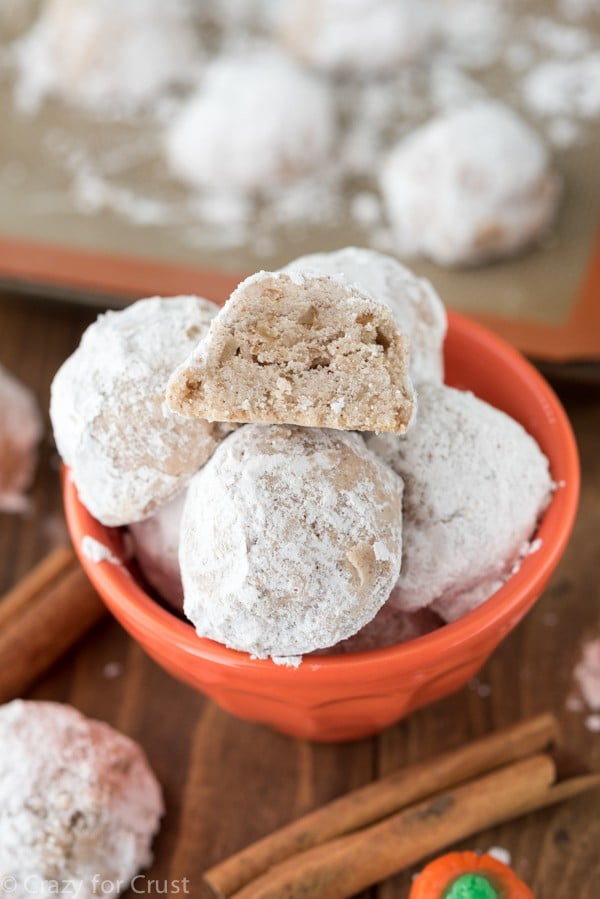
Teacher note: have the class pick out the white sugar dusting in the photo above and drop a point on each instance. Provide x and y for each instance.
(500, 854)
(287, 661)
(97, 552)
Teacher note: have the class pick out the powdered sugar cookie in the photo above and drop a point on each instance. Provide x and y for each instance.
(358, 37)
(472, 185)
(106, 55)
(290, 540)
(476, 485)
(156, 548)
(20, 431)
(299, 349)
(257, 122)
(78, 802)
(418, 310)
(390, 627)
(129, 454)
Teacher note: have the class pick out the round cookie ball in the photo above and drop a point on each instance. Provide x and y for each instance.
(472, 185)
(390, 627)
(20, 431)
(418, 310)
(78, 802)
(291, 539)
(156, 548)
(476, 485)
(128, 454)
(257, 122)
(107, 55)
(358, 37)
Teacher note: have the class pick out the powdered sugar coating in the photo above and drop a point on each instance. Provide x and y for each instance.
(476, 485)
(469, 186)
(106, 55)
(390, 627)
(156, 548)
(258, 121)
(97, 552)
(418, 310)
(77, 800)
(358, 37)
(128, 453)
(291, 540)
(20, 431)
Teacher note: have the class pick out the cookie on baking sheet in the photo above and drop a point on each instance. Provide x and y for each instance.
(106, 55)
(257, 121)
(419, 312)
(475, 486)
(21, 429)
(129, 454)
(291, 539)
(299, 349)
(78, 802)
(472, 185)
(364, 38)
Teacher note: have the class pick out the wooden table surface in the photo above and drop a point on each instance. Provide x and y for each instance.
(228, 782)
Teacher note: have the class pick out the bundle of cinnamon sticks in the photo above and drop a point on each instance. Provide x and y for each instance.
(382, 828)
(42, 617)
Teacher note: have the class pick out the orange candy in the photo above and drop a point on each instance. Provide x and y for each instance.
(467, 875)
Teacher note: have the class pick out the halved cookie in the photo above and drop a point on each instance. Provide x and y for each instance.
(292, 348)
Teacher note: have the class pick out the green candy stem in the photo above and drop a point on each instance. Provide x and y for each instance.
(471, 886)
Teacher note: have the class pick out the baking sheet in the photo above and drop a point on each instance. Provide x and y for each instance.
(137, 231)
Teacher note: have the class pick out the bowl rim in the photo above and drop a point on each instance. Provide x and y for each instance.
(126, 595)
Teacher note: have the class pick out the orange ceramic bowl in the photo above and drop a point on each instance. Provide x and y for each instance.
(350, 696)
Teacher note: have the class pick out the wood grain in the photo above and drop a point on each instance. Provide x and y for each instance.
(227, 782)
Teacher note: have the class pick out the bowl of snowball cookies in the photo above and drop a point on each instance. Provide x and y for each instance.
(323, 504)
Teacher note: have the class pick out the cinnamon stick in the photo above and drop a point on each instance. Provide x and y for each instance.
(349, 864)
(42, 617)
(377, 800)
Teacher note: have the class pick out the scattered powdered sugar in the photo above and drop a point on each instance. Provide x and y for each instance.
(565, 87)
(98, 552)
(112, 670)
(477, 686)
(500, 853)
(287, 661)
(592, 722)
(20, 432)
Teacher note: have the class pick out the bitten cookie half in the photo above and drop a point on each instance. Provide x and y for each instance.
(291, 348)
